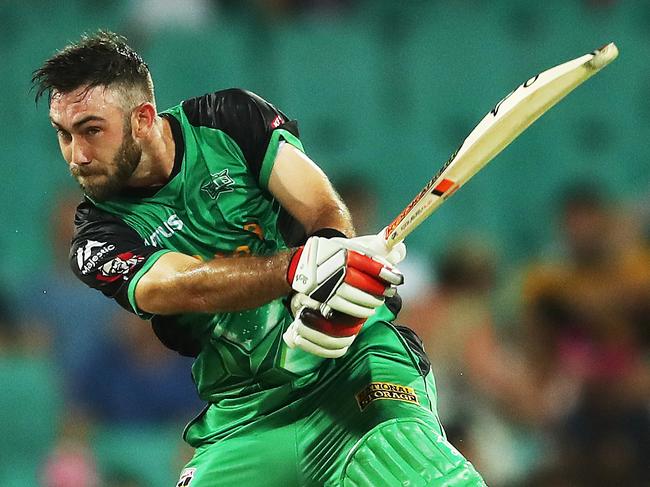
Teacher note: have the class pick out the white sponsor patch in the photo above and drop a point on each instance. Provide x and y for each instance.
(90, 254)
(119, 266)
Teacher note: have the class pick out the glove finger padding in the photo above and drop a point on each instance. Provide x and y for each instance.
(299, 301)
(374, 267)
(311, 332)
(353, 294)
(322, 267)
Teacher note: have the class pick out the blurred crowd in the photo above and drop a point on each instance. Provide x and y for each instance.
(544, 370)
(89, 386)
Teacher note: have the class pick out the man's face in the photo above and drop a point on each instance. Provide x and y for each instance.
(94, 134)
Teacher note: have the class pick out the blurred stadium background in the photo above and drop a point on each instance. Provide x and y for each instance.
(531, 286)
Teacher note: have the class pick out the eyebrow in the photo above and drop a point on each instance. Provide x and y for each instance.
(79, 123)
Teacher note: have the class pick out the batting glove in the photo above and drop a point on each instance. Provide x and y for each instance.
(311, 332)
(331, 337)
(340, 278)
(375, 245)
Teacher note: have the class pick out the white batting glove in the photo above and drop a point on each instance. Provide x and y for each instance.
(338, 274)
(312, 333)
(375, 245)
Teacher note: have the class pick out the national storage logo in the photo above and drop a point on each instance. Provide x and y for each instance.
(385, 390)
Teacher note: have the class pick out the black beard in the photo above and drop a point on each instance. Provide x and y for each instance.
(125, 162)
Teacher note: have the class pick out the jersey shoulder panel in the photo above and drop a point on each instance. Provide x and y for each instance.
(106, 253)
(245, 117)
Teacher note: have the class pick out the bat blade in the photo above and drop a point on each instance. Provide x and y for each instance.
(500, 126)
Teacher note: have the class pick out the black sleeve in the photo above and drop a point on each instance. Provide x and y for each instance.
(248, 119)
(416, 345)
(106, 253)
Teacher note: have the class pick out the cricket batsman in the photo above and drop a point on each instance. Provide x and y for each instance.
(209, 220)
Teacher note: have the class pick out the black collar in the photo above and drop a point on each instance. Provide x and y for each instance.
(179, 143)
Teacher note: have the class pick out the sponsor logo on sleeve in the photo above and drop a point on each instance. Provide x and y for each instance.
(90, 254)
(186, 477)
(277, 121)
(119, 267)
(385, 390)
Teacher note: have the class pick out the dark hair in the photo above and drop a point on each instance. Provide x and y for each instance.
(101, 59)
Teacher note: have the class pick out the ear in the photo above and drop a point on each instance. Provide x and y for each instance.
(142, 119)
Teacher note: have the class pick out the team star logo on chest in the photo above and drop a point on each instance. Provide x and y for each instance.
(218, 183)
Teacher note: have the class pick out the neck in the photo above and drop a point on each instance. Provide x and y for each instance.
(157, 160)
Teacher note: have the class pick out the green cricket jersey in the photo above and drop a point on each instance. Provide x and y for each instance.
(215, 204)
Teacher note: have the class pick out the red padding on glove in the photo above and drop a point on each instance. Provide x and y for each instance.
(364, 263)
(339, 324)
(365, 282)
(293, 264)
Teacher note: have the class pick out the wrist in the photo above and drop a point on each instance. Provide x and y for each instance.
(328, 233)
(297, 252)
(294, 258)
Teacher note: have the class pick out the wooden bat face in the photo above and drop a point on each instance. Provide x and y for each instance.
(500, 126)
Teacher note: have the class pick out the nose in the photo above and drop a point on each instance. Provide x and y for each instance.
(80, 153)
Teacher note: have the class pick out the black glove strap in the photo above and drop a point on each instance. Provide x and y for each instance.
(328, 233)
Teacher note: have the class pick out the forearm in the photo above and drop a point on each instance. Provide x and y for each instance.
(305, 192)
(181, 284)
(334, 216)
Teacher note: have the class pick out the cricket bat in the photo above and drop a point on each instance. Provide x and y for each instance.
(498, 128)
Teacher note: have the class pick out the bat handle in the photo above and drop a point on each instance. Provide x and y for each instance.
(385, 247)
(387, 242)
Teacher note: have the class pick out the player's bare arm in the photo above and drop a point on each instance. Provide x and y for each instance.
(178, 283)
(304, 191)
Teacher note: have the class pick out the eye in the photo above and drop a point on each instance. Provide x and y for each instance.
(62, 134)
(93, 131)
